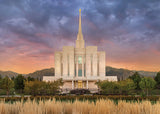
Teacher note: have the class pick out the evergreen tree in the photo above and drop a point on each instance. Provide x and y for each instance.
(0, 77)
(0, 81)
(136, 79)
(157, 79)
(19, 83)
(30, 78)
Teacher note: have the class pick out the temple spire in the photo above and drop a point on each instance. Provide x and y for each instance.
(80, 26)
(80, 41)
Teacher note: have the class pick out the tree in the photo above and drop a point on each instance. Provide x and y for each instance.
(0, 81)
(7, 84)
(33, 87)
(42, 88)
(136, 79)
(19, 83)
(157, 79)
(121, 87)
(12, 78)
(30, 78)
(147, 83)
(108, 87)
(126, 85)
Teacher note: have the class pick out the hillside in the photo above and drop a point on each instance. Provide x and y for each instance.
(124, 73)
(40, 73)
(8, 73)
(121, 73)
(147, 73)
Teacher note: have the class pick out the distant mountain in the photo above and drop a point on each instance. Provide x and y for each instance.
(40, 73)
(124, 73)
(8, 73)
(147, 73)
(121, 73)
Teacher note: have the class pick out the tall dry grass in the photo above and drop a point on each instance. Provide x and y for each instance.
(79, 107)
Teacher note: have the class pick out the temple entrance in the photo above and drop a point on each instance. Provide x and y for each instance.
(80, 84)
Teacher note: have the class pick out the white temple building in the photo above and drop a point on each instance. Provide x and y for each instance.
(80, 66)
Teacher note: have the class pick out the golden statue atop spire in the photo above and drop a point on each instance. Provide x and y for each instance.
(80, 41)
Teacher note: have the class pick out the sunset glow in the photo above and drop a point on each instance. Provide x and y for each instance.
(31, 31)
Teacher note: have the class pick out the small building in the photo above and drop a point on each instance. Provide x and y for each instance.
(80, 66)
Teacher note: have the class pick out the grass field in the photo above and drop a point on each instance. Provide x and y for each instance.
(79, 107)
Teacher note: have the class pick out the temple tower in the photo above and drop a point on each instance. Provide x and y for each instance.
(80, 41)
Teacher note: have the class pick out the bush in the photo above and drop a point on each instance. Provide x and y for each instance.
(42, 88)
(84, 97)
(80, 91)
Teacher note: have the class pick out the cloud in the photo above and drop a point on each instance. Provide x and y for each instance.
(121, 28)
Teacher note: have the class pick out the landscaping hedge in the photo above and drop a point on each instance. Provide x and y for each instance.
(81, 98)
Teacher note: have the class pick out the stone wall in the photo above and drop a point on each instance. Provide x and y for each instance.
(58, 63)
(92, 85)
(68, 61)
(101, 64)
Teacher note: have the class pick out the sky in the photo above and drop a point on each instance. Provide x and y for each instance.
(32, 30)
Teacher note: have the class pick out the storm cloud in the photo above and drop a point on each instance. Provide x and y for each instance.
(31, 30)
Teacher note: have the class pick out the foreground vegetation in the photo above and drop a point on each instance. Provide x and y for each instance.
(79, 107)
(134, 85)
(94, 98)
(29, 86)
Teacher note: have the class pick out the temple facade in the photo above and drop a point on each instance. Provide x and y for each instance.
(80, 66)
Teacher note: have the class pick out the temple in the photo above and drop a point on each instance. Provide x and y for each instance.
(80, 66)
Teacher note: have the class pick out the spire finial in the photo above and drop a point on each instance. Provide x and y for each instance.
(80, 26)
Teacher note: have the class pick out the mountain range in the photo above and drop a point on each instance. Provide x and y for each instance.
(110, 71)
